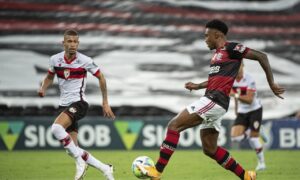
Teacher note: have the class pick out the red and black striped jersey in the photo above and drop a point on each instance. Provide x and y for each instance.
(71, 76)
(224, 67)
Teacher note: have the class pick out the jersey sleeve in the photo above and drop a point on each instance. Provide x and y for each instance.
(237, 51)
(51, 69)
(92, 67)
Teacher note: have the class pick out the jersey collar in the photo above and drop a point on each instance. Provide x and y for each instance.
(69, 61)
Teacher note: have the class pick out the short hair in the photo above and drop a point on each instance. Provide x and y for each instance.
(218, 25)
(70, 32)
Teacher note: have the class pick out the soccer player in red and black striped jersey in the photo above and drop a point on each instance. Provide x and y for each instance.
(71, 67)
(209, 109)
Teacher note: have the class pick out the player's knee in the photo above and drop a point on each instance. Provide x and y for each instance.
(55, 128)
(58, 131)
(173, 126)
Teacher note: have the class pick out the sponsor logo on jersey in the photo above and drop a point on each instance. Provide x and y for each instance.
(240, 48)
(217, 57)
(67, 73)
(214, 69)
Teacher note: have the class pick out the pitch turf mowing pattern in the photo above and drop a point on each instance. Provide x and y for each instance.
(184, 165)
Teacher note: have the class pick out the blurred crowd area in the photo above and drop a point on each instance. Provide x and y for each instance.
(147, 49)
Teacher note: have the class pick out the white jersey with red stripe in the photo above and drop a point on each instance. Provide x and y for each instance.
(247, 83)
(72, 76)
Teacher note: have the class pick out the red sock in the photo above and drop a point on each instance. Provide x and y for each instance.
(224, 159)
(167, 149)
(258, 150)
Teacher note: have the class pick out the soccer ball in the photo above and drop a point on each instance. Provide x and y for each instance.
(141, 161)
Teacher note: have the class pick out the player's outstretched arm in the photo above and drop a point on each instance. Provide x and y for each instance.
(48, 80)
(192, 86)
(262, 58)
(107, 112)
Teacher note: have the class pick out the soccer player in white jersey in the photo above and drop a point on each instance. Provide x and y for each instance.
(71, 67)
(249, 114)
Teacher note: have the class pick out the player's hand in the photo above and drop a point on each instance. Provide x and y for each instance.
(41, 92)
(107, 112)
(277, 90)
(191, 86)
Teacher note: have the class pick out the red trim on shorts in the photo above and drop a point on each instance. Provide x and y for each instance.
(206, 107)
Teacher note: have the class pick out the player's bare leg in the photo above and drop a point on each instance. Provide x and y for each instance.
(238, 133)
(255, 143)
(209, 138)
(179, 123)
(59, 131)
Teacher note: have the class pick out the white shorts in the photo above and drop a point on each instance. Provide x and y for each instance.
(209, 111)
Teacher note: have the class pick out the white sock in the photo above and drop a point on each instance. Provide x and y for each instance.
(257, 146)
(92, 161)
(60, 134)
(247, 133)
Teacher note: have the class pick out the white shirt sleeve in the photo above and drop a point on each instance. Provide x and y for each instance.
(91, 67)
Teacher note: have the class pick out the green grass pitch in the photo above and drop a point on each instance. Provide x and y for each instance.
(184, 164)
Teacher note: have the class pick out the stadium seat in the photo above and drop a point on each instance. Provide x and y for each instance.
(95, 110)
(14, 111)
(48, 110)
(3, 109)
(124, 111)
(30, 111)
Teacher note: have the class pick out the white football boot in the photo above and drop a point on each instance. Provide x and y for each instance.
(108, 174)
(81, 168)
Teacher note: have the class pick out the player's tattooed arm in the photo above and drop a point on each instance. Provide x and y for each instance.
(263, 60)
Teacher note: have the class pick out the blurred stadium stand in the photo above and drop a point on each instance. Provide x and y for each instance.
(94, 110)
(30, 31)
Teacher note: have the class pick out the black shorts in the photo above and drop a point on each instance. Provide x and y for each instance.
(76, 111)
(250, 120)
